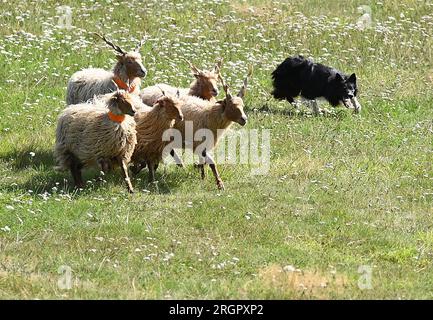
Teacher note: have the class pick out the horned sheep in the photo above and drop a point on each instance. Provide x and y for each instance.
(214, 116)
(126, 74)
(205, 86)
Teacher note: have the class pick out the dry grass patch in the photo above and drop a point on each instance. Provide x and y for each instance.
(302, 283)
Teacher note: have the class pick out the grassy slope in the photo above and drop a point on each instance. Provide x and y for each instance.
(343, 190)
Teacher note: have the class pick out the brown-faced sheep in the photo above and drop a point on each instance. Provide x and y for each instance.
(205, 86)
(97, 134)
(213, 118)
(126, 74)
(152, 122)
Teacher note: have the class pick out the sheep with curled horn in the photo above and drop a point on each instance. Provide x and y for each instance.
(216, 117)
(205, 85)
(127, 74)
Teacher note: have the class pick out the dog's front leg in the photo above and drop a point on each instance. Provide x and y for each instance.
(356, 104)
(316, 109)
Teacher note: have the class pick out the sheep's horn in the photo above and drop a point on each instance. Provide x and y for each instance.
(111, 44)
(115, 84)
(141, 43)
(163, 92)
(194, 69)
(243, 90)
(225, 86)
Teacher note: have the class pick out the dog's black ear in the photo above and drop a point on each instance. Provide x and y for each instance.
(352, 78)
(339, 77)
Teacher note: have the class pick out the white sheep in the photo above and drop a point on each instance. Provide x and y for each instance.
(214, 117)
(205, 86)
(152, 122)
(97, 133)
(126, 74)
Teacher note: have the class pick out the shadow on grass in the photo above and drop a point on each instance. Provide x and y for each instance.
(39, 165)
(303, 112)
(28, 157)
(167, 181)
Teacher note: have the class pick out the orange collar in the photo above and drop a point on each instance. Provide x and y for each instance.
(115, 117)
(123, 85)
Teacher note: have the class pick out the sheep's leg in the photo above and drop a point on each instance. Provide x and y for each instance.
(152, 169)
(125, 175)
(176, 158)
(212, 165)
(105, 165)
(76, 167)
(202, 172)
(201, 163)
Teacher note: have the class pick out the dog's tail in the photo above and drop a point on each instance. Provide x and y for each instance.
(287, 75)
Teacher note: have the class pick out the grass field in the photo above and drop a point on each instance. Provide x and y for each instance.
(345, 211)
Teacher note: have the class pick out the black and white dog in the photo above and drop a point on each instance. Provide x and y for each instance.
(300, 76)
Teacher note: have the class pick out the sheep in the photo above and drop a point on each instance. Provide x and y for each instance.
(126, 74)
(100, 132)
(152, 122)
(213, 116)
(204, 86)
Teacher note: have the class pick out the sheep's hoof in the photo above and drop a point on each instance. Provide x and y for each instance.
(131, 191)
(180, 165)
(220, 185)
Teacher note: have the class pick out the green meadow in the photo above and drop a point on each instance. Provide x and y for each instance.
(345, 210)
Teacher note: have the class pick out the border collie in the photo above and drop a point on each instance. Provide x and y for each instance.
(300, 76)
